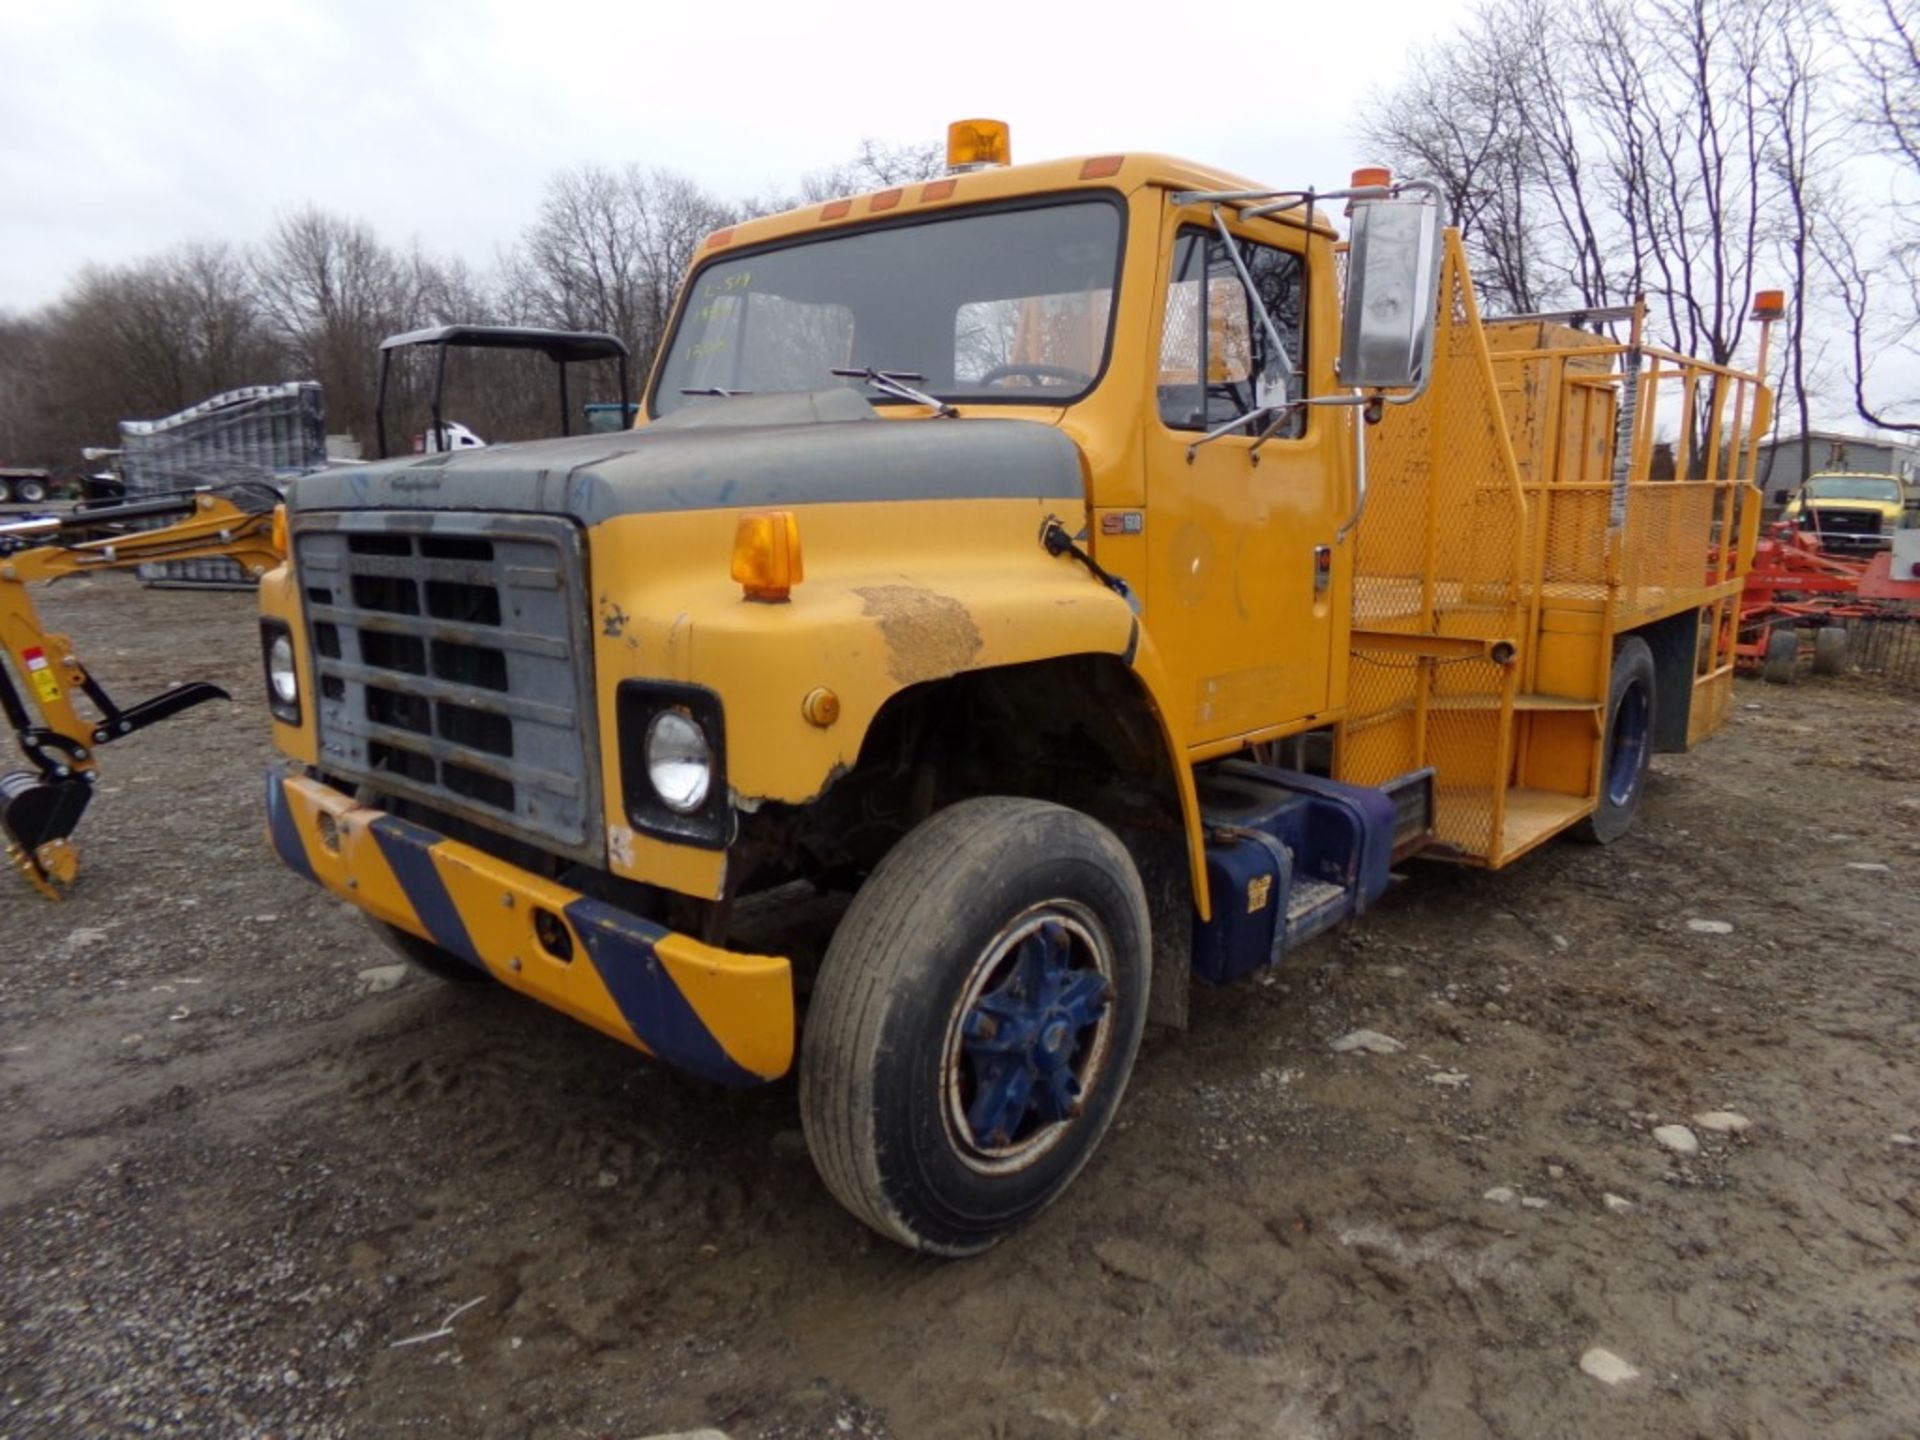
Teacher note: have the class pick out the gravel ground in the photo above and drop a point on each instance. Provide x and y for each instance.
(243, 1162)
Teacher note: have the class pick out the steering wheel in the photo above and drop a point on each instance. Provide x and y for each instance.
(1065, 373)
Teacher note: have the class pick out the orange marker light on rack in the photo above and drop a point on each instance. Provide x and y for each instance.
(1769, 304)
(766, 555)
(974, 143)
(1368, 176)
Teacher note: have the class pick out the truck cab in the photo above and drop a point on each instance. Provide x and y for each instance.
(981, 549)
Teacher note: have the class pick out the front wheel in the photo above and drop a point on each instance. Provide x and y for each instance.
(975, 1021)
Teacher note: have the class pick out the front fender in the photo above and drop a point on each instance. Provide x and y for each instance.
(895, 594)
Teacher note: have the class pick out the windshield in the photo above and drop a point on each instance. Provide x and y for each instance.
(1008, 305)
(1852, 487)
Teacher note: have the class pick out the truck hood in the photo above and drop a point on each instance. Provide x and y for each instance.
(762, 450)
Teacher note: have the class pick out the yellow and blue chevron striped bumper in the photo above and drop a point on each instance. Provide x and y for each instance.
(725, 1016)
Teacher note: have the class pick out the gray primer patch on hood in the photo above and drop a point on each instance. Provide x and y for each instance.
(803, 449)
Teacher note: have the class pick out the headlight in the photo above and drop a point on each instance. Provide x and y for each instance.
(283, 676)
(679, 761)
(673, 763)
(286, 685)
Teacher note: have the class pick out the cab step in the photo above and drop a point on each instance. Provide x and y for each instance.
(1290, 855)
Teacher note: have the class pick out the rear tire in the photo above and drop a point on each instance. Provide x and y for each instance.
(1628, 746)
(1782, 663)
(975, 1021)
(1830, 650)
(30, 492)
(429, 957)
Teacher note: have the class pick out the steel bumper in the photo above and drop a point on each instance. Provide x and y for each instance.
(724, 1016)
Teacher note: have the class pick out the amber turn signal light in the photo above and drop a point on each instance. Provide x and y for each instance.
(766, 554)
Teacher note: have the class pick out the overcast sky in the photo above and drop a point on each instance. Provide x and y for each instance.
(126, 128)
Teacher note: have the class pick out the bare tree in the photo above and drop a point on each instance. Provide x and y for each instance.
(1670, 149)
(134, 340)
(331, 292)
(1800, 132)
(1879, 287)
(1462, 120)
(876, 165)
(27, 408)
(608, 250)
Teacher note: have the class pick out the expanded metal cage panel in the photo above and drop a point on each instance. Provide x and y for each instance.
(1443, 713)
(1553, 488)
(1441, 551)
(1439, 548)
(1669, 539)
(262, 433)
(452, 666)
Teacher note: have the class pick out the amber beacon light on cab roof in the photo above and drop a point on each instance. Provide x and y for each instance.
(1099, 571)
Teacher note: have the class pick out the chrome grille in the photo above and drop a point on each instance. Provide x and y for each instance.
(452, 666)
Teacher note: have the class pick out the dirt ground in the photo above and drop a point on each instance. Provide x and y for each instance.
(236, 1172)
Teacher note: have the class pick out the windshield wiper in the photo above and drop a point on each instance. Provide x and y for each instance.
(894, 383)
(713, 390)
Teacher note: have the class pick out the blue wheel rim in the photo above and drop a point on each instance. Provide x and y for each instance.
(1028, 1038)
(1627, 748)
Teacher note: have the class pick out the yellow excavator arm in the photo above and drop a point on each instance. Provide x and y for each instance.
(41, 677)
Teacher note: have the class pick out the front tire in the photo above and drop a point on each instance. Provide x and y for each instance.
(975, 1021)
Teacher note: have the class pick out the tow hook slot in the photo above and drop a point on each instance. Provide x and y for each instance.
(552, 933)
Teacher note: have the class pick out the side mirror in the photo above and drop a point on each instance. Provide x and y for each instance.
(1393, 270)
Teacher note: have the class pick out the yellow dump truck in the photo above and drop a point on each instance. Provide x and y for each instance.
(1098, 570)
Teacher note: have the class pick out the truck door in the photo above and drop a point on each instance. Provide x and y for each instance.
(1239, 542)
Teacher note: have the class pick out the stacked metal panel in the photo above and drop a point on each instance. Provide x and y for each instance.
(260, 433)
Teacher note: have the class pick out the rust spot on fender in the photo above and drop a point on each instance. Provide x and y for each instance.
(928, 635)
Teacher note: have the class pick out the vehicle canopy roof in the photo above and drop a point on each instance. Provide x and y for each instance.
(562, 345)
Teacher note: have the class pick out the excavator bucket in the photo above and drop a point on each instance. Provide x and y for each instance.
(37, 817)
